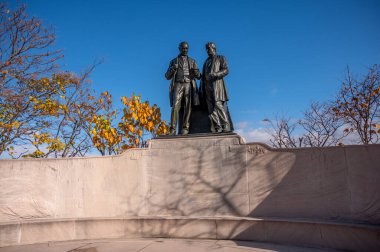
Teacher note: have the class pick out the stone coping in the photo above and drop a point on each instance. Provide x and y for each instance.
(196, 135)
(192, 218)
(310, 148)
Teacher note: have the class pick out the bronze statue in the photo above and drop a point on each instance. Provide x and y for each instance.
(182, 71)
(213, 90)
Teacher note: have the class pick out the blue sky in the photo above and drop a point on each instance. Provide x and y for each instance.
(282, 54)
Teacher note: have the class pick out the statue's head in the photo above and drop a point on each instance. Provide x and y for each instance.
(211, 48)
(183, 48)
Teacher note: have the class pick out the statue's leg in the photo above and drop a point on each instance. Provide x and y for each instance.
(222, 116)
(228, 116)
(178, 93)
(215, 122)
(186, 107)
(214, 119)
(213, 130)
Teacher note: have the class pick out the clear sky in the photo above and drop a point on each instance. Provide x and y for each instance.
(282, 54)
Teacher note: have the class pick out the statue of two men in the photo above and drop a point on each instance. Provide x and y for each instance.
(183, 72)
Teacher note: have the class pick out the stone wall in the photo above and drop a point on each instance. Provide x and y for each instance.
(209, 177)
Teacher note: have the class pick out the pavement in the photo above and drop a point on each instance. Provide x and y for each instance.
(159, 245)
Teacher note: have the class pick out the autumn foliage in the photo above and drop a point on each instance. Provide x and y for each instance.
(46, 112)
(138, 121)
(62, 117)
(105, 137)
(25, 55)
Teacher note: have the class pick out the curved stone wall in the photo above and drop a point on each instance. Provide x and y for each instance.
(209, 177)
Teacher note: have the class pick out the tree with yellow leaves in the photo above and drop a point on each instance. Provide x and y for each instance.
(52, 113)
(105, 136)
(61, 107)
(25, 55)
(140, 120)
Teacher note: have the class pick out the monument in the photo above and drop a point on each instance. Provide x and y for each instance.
(210, 99)
(201, 186)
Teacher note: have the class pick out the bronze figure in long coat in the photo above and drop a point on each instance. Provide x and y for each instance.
(214, 91)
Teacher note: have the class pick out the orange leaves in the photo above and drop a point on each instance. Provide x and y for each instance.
(377, 127)
(19, 60)
(163, 128)
(62, 107)
(134, 116)
(363, 105)
(54, 105)
(103, 135)
(376, 91)
(140, 119)
(150, 126)
(124, 100)
(35, 96)
(131, 128)
(46, 107)
(49, 143)
(36, 154)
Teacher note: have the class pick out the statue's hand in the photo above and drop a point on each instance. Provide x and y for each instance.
(211, 76)
(173, 68)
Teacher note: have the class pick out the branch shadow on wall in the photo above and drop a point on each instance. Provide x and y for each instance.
(247, 181)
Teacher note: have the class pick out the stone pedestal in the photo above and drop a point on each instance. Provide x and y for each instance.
(199, 121)
(209, 186)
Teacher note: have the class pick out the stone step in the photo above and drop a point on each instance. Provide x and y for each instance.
(159, 244)
(298, 232)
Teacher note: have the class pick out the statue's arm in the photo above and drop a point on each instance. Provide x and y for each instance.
(171, 70)
(202, 83)
(223, 68)
(197, 73)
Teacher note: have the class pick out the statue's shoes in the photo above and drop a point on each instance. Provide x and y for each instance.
(227, 128)
(219, 130)
(172, 132)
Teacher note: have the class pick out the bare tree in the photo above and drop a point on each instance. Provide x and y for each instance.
(355, 113)
(283, 133)
(321, 126)
(358, 104)
(25, 46)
